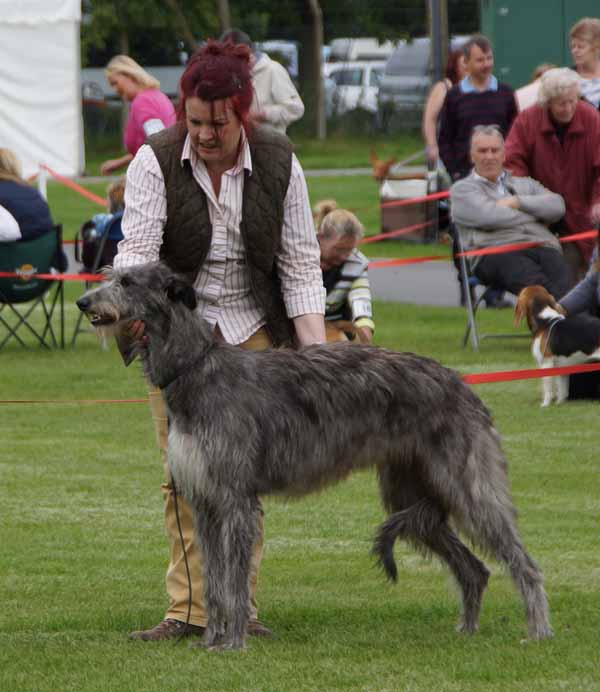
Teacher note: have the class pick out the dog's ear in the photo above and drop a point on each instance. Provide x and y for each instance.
(179, 291)
(520, 309)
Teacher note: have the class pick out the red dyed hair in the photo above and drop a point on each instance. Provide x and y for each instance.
(218, 71)
(452, 65)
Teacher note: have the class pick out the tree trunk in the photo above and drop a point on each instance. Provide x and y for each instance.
(224, 15)
(314, 94)
(437, 15)
(188, 36)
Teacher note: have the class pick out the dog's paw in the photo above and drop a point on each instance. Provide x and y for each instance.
(467, 628)
(541, 632)
(546, 403)
(228, 645)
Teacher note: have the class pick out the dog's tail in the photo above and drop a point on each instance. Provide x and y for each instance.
(412, 524)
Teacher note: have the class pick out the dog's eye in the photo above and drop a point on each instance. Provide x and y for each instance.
(125, 281)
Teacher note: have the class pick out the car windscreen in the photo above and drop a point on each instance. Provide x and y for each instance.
(410, 59)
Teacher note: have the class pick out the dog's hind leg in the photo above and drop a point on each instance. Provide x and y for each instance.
(424, 525)
(501, 538)
(487, 514)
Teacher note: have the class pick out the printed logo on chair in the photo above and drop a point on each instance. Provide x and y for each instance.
(25, 272)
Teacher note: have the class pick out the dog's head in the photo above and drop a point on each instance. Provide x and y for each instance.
(536, 305)
(145, 292)
(381, 168)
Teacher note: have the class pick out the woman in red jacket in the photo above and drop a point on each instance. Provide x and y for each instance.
(557, 142)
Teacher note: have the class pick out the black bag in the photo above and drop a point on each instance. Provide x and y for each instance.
(584, 385)
(95, 250)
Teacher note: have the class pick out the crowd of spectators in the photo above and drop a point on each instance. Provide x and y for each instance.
(551, 153)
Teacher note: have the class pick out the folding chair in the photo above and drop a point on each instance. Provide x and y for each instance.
(22, 294)
(469, 283)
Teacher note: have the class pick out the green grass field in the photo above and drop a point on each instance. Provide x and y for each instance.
(83, 550)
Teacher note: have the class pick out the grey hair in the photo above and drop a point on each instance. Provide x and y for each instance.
(341, 223)
(555, 82)
(486, 131)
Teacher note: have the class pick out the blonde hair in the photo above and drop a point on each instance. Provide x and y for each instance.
(587, 29)
(540, 69)
(321, 209)
(341, 223)
(10, 166)
(123, 64)
(116, 196)
(555, 82)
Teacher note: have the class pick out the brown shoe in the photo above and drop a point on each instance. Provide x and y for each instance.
(257, 629)
(167, 629)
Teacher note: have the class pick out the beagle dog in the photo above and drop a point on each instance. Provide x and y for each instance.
(557, 339)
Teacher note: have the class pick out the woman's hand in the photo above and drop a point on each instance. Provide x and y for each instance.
(135, 330)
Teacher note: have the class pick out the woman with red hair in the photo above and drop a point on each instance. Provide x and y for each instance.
(455, 71)
(225, 203)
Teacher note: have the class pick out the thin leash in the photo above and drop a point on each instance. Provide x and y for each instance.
(185, 560)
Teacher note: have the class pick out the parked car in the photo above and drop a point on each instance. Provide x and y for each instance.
(405, 83)
(352, 85)
(285, 52)
(346, 49)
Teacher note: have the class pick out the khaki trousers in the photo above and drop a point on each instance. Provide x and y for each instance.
(176, 579)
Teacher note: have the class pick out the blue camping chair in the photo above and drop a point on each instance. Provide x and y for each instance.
(26, 302)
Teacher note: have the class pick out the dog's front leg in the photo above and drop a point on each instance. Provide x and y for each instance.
(209, 531)
(547, 385)
(242, 533)
(562, 389)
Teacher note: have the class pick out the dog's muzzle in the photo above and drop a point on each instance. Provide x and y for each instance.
(84, 304)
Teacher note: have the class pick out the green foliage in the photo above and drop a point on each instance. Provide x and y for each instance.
(152, 30)
(155, 35)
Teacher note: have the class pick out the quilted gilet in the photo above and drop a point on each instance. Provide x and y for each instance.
(188, 232)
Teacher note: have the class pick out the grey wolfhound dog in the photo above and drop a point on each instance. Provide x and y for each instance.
(243, 424)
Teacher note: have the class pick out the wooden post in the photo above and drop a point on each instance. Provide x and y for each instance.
(224, 15)
(437, 12)
(316, 63)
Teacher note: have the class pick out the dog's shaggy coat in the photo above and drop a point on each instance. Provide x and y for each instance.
(244, 424)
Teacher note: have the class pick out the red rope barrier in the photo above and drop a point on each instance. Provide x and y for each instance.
(74, 186)
(415, 200)
(398, 232)
(476, 378)
(53, 277)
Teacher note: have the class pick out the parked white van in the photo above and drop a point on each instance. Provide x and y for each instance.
(351, 49)
(352, 85)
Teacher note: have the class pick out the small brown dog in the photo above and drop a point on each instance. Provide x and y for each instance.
(557, 338)
(381, 168)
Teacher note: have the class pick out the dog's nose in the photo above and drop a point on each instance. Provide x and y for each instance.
(83, 303)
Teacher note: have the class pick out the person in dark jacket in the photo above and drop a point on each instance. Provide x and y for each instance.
(23, 202)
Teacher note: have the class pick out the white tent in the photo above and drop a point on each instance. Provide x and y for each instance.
(40, 95)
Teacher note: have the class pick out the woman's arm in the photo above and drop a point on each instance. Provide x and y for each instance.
(584, 297)
(429, 125)
(115, 164)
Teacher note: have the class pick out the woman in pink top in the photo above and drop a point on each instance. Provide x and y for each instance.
(150, 110)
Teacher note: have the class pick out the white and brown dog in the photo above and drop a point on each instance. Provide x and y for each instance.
(557, 339)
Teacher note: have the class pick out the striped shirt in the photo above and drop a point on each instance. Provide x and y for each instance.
(223, 283)
(349, 292)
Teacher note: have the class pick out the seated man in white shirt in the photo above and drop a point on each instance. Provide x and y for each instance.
(226, 204)
(490, 207)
